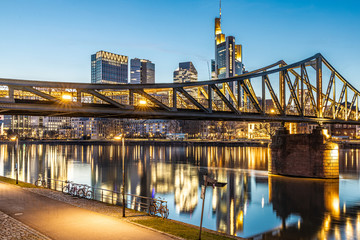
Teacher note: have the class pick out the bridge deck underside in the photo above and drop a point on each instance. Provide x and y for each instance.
(108, 111)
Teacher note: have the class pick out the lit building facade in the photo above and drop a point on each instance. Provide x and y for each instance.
(185, 73)
(20, 125)
(142, 71)
(228, 54)
(109, 67)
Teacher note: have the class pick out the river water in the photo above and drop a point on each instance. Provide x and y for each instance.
(252, 204)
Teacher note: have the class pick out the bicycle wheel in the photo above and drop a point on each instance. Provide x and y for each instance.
(165, 212)
(65, 189)
(89, 194)
(38, 183)
(44, 184)
(81, 193)
(152, 210)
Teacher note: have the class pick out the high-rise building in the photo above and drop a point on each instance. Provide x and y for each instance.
(185, 73)
(228, 55)
(142, 71)
(109, 67)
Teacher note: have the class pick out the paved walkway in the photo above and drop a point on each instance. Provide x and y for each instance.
(11, 228)
(58, 220)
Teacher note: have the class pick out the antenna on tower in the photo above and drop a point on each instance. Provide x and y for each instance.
(220, 8)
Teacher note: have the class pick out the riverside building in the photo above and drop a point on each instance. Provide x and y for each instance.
(142, 71)
(109, 67)
(185, 73)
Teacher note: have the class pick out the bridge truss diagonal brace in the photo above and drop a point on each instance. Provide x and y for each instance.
(309, 87)
(231, 94)
(106, 99)
(152, 99)
(292, 92)
(191, 99)
(251, 96)
(328, 90)
(338, 104)
(38, 93)
(224, 99)
(351, 106)
(296, 89)
(273, 95)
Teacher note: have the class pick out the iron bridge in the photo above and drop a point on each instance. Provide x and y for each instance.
(310, 90)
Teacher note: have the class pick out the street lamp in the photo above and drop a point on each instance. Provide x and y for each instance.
(207, 182)
(142, 102)
(123, 172)
(66, 97)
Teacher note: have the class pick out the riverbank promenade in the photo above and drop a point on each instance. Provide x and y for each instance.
(28, 215)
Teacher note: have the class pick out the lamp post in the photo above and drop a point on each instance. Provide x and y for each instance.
(17, 160)
(207, 182)
(123, 172)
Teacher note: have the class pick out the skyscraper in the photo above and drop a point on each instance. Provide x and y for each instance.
(185, 73)
(109, 67)
(228, 55)
(142, 71)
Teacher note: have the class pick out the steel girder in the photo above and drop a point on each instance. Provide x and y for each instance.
(245, 100)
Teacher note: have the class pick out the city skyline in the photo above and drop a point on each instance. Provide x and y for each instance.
(40, 39)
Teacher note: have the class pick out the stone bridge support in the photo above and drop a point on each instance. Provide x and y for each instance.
(304, 155)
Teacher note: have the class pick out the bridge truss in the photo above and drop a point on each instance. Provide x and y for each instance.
(305, 91)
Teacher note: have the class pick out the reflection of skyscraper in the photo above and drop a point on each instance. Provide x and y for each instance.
(185, 73)
(109, 67)
(142, 71)
(186, 188)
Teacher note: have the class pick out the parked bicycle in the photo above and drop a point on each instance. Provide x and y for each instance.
(69, 187)
(158, 206)
(85, 191)
(77, 190)
(41, 182)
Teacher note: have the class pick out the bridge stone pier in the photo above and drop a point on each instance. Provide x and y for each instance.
(304, 155)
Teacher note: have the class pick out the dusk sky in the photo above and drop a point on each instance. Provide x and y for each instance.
(53, 40)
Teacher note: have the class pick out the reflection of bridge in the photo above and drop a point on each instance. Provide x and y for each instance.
(226, 99)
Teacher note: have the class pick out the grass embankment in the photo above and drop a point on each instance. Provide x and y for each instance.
(20, 183)
(178, 229)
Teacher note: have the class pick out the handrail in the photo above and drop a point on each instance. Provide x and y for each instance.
(150, 205)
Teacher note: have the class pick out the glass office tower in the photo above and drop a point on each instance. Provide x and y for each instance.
(142, 71)
(228, 55)
(185, 73)
(109, 67)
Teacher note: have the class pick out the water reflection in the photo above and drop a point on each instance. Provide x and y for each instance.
(251, 204)
(316, 202)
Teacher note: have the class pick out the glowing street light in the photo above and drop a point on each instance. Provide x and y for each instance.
(142, 102)
(66, 97)
(272, 111)
(118, 137)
